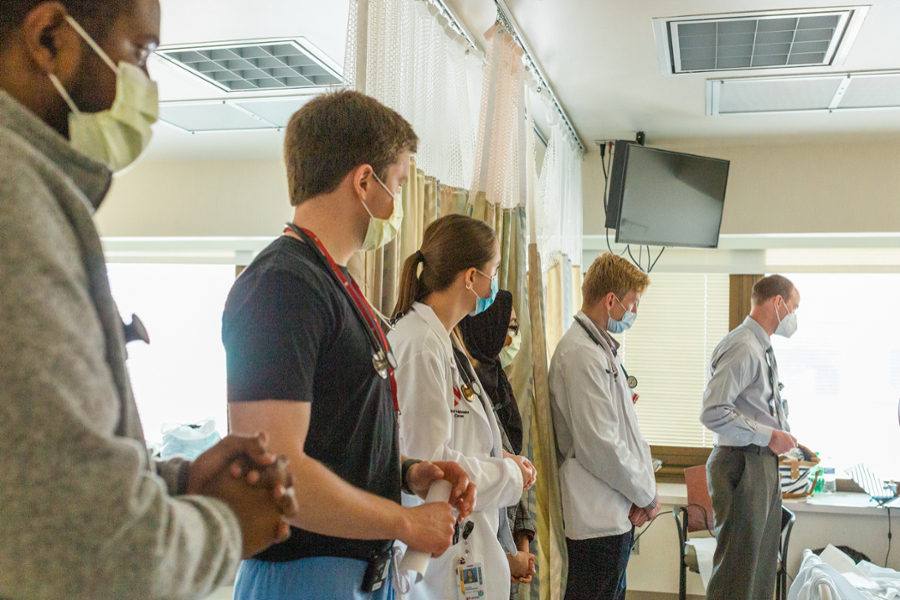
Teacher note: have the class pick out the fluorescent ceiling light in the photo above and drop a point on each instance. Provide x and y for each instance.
(234, 114)
(832, 92)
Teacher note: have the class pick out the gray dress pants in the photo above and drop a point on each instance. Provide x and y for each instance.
(746, 499)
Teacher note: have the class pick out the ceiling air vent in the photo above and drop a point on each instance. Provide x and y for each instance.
(832, 92)
(763, 40)
(253, 65)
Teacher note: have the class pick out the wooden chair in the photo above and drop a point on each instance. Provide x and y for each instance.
(697, 515)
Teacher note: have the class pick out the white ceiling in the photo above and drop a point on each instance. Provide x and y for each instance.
(600, 57)
(322, 22)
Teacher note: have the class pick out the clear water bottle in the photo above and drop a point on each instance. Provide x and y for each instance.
(829, 486)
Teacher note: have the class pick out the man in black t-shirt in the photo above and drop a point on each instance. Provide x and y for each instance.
(300, 339)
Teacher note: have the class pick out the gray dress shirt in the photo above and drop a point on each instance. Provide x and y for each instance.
(742, 404)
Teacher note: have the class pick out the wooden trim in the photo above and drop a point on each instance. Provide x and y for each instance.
(740, 287)
(238, 270)
(676, 459)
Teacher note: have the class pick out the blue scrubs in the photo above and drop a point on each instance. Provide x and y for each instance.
(320, 578)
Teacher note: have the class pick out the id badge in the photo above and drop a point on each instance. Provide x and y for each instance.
(377, 572)
(471, 581)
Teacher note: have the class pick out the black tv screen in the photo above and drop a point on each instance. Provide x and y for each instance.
(663, 198)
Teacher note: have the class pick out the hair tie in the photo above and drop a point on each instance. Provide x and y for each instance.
(420, 256)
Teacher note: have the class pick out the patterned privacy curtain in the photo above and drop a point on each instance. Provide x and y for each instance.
(476, 157)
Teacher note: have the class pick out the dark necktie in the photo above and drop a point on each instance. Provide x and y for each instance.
(776, 408)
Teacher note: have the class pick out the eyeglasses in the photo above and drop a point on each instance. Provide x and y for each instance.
(514, 326)
(486, 275)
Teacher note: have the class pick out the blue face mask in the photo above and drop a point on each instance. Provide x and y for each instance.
(625, 324)
(482, 304)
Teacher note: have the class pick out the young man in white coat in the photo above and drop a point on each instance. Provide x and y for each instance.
(606, 476)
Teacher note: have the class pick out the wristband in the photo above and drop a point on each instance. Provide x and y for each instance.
(404, 473)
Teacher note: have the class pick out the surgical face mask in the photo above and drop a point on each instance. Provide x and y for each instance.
(482, 304)
(117, 136)
(382, 231)
(509, 352)
(788, 325)
(624, 324)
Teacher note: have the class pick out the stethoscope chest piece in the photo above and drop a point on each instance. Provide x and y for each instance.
(632, 381)
(383, 362)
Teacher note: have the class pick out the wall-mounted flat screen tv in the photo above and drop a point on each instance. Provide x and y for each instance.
(663, 198)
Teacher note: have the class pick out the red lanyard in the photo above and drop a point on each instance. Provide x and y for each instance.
(363, 309)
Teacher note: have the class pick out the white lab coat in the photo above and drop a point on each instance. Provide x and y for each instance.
(437, 425)
(605, 463)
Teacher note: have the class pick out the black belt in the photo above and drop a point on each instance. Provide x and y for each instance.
(751, 448)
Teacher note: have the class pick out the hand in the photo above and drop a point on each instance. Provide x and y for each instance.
(462, 497)
(638, 516)
(428, 528)
(521, 567)
(209, 464)
(246, 455)
(529, 473)
(258, 513)
(782, 442)
(276, 477)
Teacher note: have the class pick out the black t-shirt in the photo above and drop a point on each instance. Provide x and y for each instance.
(291, 333)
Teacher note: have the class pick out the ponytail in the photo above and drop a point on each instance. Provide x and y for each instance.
(451, 244)
(409, 284)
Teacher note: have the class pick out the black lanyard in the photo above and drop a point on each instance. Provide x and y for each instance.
(382, 358)
(631, 381)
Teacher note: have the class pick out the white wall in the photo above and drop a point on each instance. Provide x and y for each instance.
(803, 187)
(197, 199)
(789, 188)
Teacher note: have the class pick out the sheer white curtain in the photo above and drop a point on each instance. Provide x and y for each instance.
(499, 171)
(558, 201)
(419, 66)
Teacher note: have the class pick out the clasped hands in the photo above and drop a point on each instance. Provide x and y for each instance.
(641, 516)
(255, 483)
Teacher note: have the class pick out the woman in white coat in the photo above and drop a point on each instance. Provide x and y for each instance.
(444, 414)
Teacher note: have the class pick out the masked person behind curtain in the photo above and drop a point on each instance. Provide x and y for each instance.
(742, 406)
(446, 415)
(488, 337)
(84, 512)
(308, 361)
(606, 476)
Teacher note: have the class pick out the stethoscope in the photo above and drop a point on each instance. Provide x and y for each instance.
(470, 387)
(382, 358)
(629, 379)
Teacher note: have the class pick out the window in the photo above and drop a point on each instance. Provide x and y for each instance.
(180, 376)
(681, 319)
(841, 370)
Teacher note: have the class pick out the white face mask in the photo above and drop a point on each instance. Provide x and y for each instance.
(509, 352)
(117, 136)
(382, 231)
(788, 325)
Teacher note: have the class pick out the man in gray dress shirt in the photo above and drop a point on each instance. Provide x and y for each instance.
(742, 405)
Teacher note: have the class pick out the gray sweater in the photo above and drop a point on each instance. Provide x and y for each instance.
(84, 513)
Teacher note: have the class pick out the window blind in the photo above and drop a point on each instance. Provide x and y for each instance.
(681, 319)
